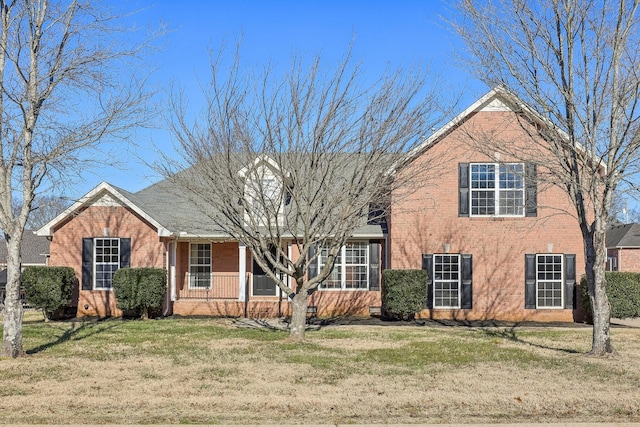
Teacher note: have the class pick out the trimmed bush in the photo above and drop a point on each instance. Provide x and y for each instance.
(403, 292)
(48, 288)
(623, 291)
(140, 290)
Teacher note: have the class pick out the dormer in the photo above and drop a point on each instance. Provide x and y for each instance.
(265, 191)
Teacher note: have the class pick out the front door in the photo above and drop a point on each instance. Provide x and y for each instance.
(263, 285)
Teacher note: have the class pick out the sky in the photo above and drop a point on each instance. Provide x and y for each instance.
(395, 33)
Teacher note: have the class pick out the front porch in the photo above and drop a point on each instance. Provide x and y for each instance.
(210, 278)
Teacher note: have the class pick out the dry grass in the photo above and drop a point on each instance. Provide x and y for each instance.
(209, 371)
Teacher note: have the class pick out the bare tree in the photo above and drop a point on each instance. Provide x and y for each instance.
(575, 63)
(304, 157)
(65, 85)
(44, 208)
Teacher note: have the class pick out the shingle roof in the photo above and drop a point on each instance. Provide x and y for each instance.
(625, 235)
(35, 249)
(167, 202)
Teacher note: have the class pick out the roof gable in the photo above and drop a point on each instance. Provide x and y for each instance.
(102, 195)
(498, 99)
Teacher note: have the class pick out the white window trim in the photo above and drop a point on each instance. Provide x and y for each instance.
(459, 281)
(497, 191)
(562, 266)
(95, 263)
(198, 288)
(343, 267)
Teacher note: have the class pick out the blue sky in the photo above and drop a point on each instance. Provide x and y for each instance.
(393, 32)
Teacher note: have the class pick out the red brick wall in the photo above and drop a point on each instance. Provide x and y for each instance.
(423, 221)
(66, 249)
(629, 260)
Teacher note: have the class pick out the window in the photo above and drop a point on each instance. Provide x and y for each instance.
(200, 266)
(350, 269)
(106, 261)
(101, 257)
(549, 280)
(449, 281)
(497, 189)
(446, 281)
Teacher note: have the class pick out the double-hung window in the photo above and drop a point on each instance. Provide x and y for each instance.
(446, 281)
(497, 189)
(200, 266)
(101, 258)
(106, 261)
(449, 280)
(350, 269)
(549, 280)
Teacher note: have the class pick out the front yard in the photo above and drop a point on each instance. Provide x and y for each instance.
(210, 371)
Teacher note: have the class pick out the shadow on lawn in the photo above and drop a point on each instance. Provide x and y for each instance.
(512, 335)
(83, 330)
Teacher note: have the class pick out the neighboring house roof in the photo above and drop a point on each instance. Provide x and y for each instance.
(34, 249)
(623, 236)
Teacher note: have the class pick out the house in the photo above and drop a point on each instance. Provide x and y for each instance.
(497, 241)
(34, 250)
(209, 272)
(623, 247)
(490, 252)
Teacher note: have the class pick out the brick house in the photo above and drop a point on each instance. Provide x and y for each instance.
(623, 247)
(495, 244)
(496, 241)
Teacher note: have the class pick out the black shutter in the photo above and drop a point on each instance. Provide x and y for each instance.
(529, 281)
(427, 265)
(125, 253)
(531, 190)
(463, 189)
(374, 266)
(87, 264)
(569, 279)
(467, 281)
(312, 269)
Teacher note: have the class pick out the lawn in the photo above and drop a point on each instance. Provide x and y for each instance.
(210, 371)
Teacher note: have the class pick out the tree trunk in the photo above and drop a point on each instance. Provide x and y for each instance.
(12, 333)
(298, 316)
(595, 266)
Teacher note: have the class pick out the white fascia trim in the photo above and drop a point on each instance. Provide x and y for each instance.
(256, 162)
(88, 199)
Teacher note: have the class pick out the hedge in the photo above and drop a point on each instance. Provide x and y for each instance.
(48, 288)
(403, 292)
(140, 290)
(623, 291)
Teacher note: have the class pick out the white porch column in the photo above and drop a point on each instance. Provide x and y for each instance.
(290, 255)
(172, 268)
(242, 273)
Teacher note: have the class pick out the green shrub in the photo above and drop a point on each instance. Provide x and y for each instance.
(48, 288)
(140, 289)
(403, 292)
(623, 291)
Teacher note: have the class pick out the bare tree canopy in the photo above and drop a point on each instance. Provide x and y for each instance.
(67, 83)
(303, 157)
(576, 63)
